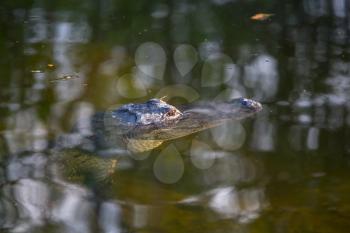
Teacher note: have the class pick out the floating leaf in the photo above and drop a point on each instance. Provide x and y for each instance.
(261, 16)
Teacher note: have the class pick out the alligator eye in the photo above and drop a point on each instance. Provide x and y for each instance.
(171, 112)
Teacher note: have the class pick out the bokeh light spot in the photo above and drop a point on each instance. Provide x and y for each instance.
(169, 166)
(229, 136)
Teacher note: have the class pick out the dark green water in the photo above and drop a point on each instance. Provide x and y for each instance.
(285, 170)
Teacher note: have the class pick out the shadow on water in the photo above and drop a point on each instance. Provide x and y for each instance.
(284, 170)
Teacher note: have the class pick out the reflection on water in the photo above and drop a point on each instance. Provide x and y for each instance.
(283, 171)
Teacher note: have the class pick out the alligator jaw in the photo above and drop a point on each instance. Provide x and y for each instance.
(139, 145)
(200, 117)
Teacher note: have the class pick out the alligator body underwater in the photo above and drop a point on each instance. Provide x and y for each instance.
(143, 126)
(136, 128)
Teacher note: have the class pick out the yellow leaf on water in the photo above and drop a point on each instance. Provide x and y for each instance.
(261, 16)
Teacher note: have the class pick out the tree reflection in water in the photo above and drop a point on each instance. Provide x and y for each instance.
(288, 175)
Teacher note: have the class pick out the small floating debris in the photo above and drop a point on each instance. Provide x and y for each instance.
(164, 98)
(37, 71)
(51, 66)
(318, 174)
(261, 16)
(66, 77)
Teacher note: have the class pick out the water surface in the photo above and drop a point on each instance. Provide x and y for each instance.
(285, 170)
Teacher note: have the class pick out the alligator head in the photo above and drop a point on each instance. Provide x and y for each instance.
(145, 126)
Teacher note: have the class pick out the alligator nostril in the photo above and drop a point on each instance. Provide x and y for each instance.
(244, 102)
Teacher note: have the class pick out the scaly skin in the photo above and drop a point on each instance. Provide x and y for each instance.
(144, 126)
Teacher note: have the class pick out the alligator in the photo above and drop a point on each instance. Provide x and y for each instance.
(136, 128)
(144, 126)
